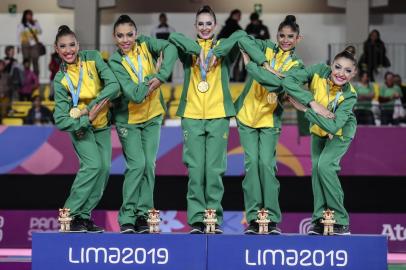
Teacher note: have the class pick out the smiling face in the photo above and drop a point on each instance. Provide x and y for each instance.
(205, 25)
(342, 71)
(287, 38)
(67, 48)
(125, 35)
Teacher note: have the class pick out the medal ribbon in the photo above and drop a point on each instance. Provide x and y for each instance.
(75, 94)
(273, 62)
(130, 63)
(203, 72)
(338, 95)
(336, 101)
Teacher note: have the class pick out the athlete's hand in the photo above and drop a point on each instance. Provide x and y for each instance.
(153, 84)
(273, 71)
(298, 106)
(159, 62)
(84, 112)
(319, 109)
(97, 108)
(213, 62)
(245, 57)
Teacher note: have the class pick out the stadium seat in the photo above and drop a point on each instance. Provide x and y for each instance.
(166, 90)
(21, 108)
(47, 92)
(12, 121)
(177, 92)
(236, 89)
(172, 108)
(49, 104)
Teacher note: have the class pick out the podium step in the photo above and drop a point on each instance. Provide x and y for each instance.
(206, 252)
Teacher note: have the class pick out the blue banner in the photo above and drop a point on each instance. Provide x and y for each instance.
(108, 251)
(297, 252)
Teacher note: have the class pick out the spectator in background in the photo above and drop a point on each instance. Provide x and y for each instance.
(398, 81)
(231, 24)
(388, 94)
(374, 56)
(10, 61)
(38, 114)
(53, 67)
(256, 29)
(27, 34)
(163, 30)
(30, 82)
(365, 93)
(15, 70)
(238, 72)
(4, 90)
(399, 114)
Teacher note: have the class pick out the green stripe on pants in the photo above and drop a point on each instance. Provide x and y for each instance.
(260, 185)
(327, 191)
(93, 149)
(205, 156)
(140, 144)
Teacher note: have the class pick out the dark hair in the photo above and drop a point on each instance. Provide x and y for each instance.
(162, 15)
(377, 34)
(25, 13)
(290, 20)
(349, 53)
(33, 98)
(26, 60)
(124, 19)
(387, 74)
(362, 73)
(8, 48)
(235, 11)
(63, 30)
(207, 9)
(254, 16)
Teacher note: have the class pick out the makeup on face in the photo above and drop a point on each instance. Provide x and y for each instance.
(287, 38)
(125, 36)
(67, 48)
(205, 25)
(342, 71)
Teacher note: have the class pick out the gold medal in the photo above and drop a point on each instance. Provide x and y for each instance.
(74, 113)
(272, 98)
(203, 86)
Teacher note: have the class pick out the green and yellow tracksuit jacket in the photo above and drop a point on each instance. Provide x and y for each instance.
(134, 107)
(217, 101)
(317, 76)
(98, 83)
(253, 109)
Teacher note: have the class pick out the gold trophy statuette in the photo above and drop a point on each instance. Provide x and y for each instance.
(328, 221)
(272, 98)
(210, 220)
(263, 221)
(64, 219)
(203, 87)
(74, 113)
(153, 221)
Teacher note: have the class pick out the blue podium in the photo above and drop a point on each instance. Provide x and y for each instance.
(297, 252)
(107, 251)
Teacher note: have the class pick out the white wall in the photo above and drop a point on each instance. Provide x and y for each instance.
(48, 22)
(318, 29)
